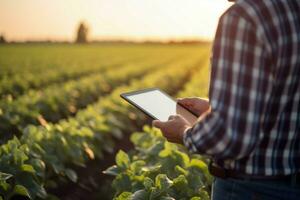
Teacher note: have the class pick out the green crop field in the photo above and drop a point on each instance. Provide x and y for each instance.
(66, 133)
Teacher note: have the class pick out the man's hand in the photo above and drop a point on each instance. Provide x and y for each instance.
(174, 128)
(195, 104)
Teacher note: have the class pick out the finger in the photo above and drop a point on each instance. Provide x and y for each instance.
(185, 101)
(157, 123)
(177, 116)
(171, 117)
(181, 100)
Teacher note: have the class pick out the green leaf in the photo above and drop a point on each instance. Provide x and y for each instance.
(136, 166)
(199, 164)
(19, 156)
(151, 168)
(167, 150)
(113, 170)
(27, 168)
(122, 159)
(166, 198)
(122, 182)
(41, 192)
(140, 195)
(56, 166)
(37, 151)
(162, 182)
(21, 190)
(4, 186)
(155, 148)
(39, 166)
(148, 183)
(181, 170)
(5, 176)
(182, 158)
(124, 196)
(71, 174)
(32, 184)
(180, 183)
(140, 139)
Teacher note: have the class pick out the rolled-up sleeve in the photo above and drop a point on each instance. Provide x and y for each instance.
(231, 129)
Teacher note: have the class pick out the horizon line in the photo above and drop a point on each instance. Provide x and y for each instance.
(135, 39)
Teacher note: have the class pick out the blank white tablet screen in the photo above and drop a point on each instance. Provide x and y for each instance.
(160, 106)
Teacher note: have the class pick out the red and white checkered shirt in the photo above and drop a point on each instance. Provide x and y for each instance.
(254, 125)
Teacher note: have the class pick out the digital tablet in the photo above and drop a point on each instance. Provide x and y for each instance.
(157, 104)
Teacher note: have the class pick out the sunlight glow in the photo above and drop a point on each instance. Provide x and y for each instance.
(126, 19)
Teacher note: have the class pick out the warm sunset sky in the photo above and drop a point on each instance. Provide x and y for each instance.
(131, 19)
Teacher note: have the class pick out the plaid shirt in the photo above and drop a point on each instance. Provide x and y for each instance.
(254, 124)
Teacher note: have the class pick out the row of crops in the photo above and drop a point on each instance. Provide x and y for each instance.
(63, 121)
(18, 77)
(158, 169)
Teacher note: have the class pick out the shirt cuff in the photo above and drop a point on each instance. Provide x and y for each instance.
(186, 136)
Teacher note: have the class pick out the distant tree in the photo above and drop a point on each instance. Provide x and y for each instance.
(2, 39)
(82, 33)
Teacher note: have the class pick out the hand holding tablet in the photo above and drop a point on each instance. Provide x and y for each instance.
(158, 105)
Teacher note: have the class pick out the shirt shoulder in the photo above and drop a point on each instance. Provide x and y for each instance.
(250, 10)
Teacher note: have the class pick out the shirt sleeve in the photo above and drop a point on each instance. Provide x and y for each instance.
(231, 129)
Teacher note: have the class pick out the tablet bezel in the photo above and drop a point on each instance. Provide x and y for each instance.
(126, 94)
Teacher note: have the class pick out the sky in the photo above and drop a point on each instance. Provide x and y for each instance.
(110, 19)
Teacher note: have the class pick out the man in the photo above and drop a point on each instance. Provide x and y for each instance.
(251, 125)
